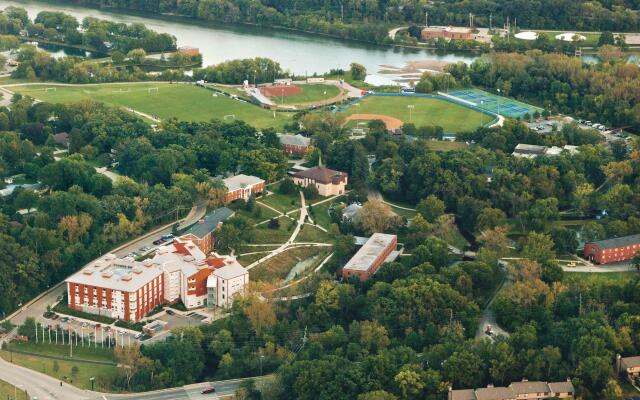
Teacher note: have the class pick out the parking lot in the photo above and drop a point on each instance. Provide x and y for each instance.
(91, 332)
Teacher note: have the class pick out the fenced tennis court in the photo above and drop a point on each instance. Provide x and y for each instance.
(500, 105)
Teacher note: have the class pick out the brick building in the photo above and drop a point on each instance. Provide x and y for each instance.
(612, 250)
(446, 32)
(371, 256)
(116, 288)
(201, 233)
(294, 144)
(242, 187)
(327, 181)
(127, 289)
(525, 390)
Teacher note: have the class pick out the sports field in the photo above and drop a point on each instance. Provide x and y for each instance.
(421, 111)
(309, 94)
(498, 104)
(185, 102)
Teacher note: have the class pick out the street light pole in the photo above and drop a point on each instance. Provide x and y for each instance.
(410, 107)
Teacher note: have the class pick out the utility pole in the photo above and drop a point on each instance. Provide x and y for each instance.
(426, 19)
(490, 21)
(70, 345)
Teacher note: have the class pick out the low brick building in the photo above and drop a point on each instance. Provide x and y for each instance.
(612, 250)
(241, 187)
(525, 390)
(201, 233)
(446, 32)
(370, 257)
(327, 181)
(294, 144)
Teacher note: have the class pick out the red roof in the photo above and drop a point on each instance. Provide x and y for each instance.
(322, 175)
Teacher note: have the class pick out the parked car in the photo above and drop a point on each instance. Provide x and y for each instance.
(137, 336)
(169, 312)
(158, 242)
(167, 237)
(208, 390)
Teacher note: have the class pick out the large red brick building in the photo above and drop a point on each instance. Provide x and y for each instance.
(612, 250)
(201, 233)
(294, 144)
(241, 187)
(370, 256)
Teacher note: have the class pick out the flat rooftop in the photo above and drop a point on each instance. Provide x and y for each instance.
(241, 181)
(370, 251)
(111, 272)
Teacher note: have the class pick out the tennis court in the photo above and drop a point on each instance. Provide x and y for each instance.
(500, 105)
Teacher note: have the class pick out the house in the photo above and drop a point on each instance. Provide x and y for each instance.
(62, 139)
(377, 250)
(629, 366)
(327, 181)
(612, 250)
(446, 32)
(225, 282)
(242, 187)
(201, 233)
(525, 390)
(350, 212)
(294, 144)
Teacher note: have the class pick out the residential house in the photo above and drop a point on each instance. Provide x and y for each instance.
(525, 390)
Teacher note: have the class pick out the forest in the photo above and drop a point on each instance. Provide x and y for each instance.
(370, 20)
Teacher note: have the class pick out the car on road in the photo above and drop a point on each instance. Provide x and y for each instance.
(158, 242)
(169, 312)
(167, 237)
(208, 390)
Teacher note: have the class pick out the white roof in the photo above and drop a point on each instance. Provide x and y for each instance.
(375, 246)
(230, 271)
(527, 35)
(170, 260)
(241, 181)
(294, 140)
(110, 272)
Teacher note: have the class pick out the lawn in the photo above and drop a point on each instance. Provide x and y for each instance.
(426, 112)
(58, 350)
(281, 202)
(321, 212)
(259, 214)
(102, 373)
(445, 145)
(7, 391)
(266, 235)
(601, 277)
(277, 268)
(310, 94)
(310, 233)
(185, 102)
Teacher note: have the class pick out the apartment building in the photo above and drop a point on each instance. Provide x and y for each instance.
(525, 390)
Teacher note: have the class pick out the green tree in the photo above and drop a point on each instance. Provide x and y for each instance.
(358, 71)
(431, 208)
(538, 247)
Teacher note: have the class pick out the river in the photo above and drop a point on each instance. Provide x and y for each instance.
(297, 52)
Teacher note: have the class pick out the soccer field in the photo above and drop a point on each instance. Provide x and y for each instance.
(421, 111)
(185, 102)
(311, 93)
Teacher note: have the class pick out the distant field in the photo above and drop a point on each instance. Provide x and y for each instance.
(185, 102)
(425, 112)
(311, 93)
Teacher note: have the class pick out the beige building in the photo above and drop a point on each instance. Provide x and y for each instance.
(525, 390)
(629, 366)
(327, 181)
(446, 32)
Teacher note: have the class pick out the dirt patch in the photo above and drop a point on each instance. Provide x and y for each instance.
(281, 90)
(390, 122)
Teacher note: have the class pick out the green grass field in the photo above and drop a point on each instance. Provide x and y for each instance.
(310, 94)
(426, 112)
(7, 391)
(185, 102)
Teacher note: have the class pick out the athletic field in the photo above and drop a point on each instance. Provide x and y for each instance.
(421, 111)
(500, 105)
(185, 102)
(310, 93)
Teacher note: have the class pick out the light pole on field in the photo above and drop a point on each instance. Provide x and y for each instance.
(410, 107)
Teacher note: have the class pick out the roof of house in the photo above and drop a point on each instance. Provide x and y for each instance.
(210, 222)
(320, 174)
(351, 210)
(371, 250)
(494, 393)
(61, 138)
(241, 181)
(232, 270)
(529, 387)
(529, 149)
(630, 362)
(294, 140)
(561, 387)
(463, 394)
(617, 242)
